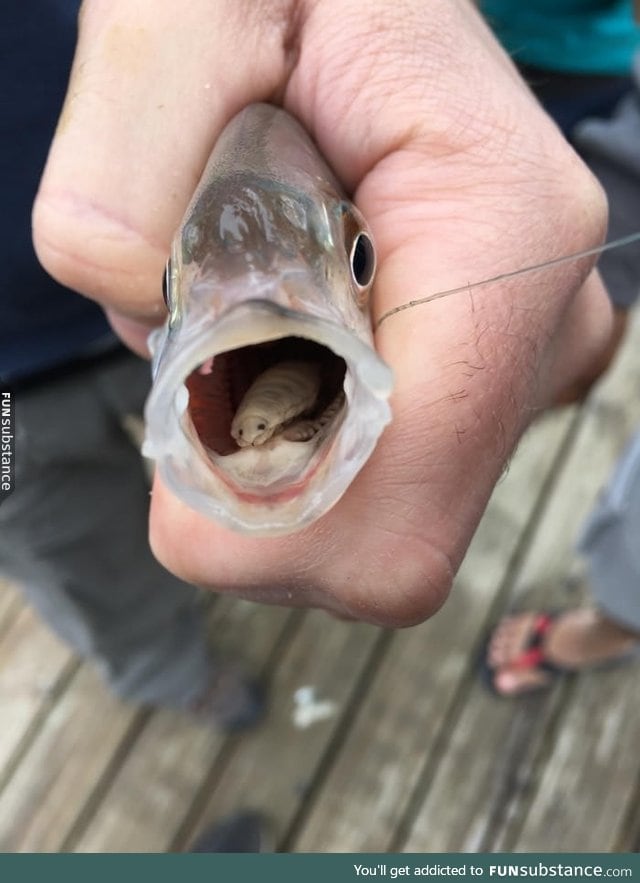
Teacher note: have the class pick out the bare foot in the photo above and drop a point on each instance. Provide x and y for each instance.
(573, 640)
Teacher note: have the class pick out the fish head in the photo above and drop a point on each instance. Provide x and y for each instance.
(272, 265)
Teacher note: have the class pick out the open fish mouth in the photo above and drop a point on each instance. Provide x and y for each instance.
(286, 483)
(279, 468)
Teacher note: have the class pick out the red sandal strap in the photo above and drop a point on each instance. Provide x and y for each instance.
(533, 656)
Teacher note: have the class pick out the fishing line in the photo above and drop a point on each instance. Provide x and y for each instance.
(589, 252)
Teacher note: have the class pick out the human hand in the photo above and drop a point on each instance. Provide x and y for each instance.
(460, 175)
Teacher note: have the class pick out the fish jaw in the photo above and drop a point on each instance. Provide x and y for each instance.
(281, 486)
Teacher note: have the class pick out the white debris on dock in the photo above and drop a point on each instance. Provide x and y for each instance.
(309, 710)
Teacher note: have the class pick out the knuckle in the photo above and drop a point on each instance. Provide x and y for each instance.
(581, 201)
(422, 580)
(89, 250)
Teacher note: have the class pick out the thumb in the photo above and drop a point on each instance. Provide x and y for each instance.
(149, 92)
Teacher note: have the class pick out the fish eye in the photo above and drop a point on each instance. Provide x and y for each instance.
(166, 286)
(261, 426)
(362, 260)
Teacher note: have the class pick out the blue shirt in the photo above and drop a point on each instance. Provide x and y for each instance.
(576, 36)
(42, 324)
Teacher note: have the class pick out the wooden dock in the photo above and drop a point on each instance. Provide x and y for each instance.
(413, 753)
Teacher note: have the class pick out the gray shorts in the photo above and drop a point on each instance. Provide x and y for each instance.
(611, 542)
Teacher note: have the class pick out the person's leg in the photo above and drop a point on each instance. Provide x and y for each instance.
(74, 535)
(582, 638)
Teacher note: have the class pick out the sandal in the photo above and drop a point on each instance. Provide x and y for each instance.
(532, 657)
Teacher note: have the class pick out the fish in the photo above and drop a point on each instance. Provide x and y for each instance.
(268, 395)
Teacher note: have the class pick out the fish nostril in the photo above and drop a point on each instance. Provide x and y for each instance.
(240, 433)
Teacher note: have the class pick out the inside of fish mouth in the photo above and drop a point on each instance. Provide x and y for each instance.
(216, 387)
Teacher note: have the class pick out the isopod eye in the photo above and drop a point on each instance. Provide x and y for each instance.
(362, 260)
(166, 286)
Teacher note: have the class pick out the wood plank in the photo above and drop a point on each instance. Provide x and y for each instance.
(485, 762)
(152, 792)
(482, 787)
(32, 662)
(274, 770)
(587, 783)
(628, 839)
(618, 389)
(370, 787)
(68, 756)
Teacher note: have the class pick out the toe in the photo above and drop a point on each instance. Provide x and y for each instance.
(514, 682)
(510, 638)
(500, 643)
